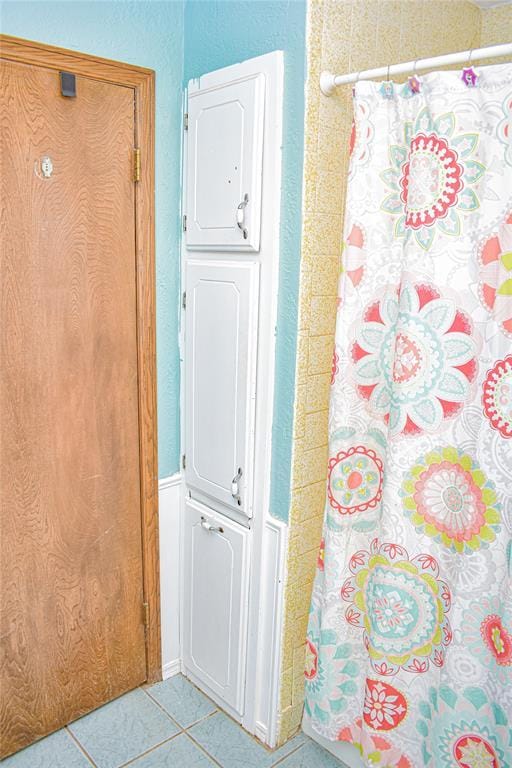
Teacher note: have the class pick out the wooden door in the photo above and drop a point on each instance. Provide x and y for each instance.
(72, 621)
(220, 390)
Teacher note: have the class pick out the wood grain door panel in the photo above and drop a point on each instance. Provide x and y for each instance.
(72, 634)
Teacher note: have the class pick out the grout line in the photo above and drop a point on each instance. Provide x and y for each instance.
(200, 720)
(241, 728)
(206, 717)
(203, 749)
(267, 750)
(151, 749)
(285, 757)
(182, 727)
(79, 745)
(173, 721)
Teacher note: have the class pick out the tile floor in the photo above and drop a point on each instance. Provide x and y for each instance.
(167, 725)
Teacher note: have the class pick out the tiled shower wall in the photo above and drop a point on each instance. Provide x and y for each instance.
(343, 36)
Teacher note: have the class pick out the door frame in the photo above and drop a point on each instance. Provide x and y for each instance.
(143, 83)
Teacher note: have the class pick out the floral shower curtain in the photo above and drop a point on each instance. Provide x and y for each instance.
(409, 648)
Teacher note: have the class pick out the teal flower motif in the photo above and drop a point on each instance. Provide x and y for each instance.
(328, 660)
(504, 129)
(430, 178)
(463, 729)
(414, 356)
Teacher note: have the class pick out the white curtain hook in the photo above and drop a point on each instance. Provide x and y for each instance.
(355, 83)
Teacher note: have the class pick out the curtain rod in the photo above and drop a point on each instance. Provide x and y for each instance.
(328, 81)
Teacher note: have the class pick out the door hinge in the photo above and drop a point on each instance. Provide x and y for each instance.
(184, 461)
(184, 300)
(136, 164)
(185, 121)
(184, 222)
(145, 614)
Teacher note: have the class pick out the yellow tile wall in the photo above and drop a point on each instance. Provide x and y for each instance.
(343, 36)
(496, 26)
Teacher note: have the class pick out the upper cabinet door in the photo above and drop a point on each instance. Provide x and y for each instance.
(224, 166)
(220, 371)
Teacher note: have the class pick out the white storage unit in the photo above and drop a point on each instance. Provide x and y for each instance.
(224, 165)
(231, 209)
(220, 370)
(216, 557)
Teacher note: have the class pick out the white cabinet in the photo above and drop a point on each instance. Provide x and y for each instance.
(215, 596)
(231, 569)
(220, 380)
(224, 165)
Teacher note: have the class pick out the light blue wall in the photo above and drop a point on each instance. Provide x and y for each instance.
(149, 34)
(222, 32)
(180, 40)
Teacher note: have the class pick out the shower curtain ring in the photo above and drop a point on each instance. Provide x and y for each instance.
(469, 77)
(355, 83)
(387, 88)
(414, 83)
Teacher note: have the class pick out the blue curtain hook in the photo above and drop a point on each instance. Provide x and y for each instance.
(387, 88)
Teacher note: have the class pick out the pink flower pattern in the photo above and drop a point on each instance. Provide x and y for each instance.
(384, 706)
(417, 525)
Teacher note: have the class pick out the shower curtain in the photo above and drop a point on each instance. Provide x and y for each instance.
(409, 646)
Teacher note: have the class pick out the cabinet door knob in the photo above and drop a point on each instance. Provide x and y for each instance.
(209, 527)
(240, 215)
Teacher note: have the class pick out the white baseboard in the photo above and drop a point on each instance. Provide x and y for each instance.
(169, 499)
(261, 732)
(169, 482)
(171, 668)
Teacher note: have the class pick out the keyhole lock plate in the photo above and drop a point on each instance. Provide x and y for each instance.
(46, 167)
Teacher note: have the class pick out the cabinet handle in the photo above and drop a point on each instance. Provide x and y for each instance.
(209, 527)
(240, 215)
(235, 490)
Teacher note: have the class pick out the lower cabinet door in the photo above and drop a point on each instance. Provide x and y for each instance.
(216, 579)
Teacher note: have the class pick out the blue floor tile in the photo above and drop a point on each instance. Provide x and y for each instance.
(180, 752)
(181, 700)
(289, 746)
(309, 755)
(55, 751)
(232, 747)
(123, 729)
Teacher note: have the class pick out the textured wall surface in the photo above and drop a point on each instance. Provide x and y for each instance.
(496, 26)
(149, 34)
(218, 34)
(343, 36)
